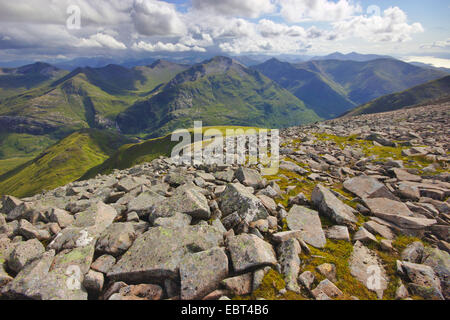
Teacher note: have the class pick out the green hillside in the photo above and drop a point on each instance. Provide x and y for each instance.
(220, 92)
(84, 155)
(326, 98)
(425, 93)
(134, 154)
(85, 98)
(332, 87)
(365, 81)
(61, 163)
(16, 149)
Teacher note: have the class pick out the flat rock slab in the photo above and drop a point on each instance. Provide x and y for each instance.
(187, 199)
(338, 233)
(179, 220)
(288, 256)
(376, 228)
(97, 217)
(201, 273)
(116, 239)
(397, 213)
(307, 221)
(191, 201)
(27, 284)
(364, 236)
(365, 186)
(237, 198)
(328, 288)
(367, 268)
(248, 252)
(158, 252)
(329, 205)
(240, 285)
(404, 175)
(290, 166)
(249, 178)
(424, 280)
(145, 203)
(286, 235)
(439, 260)
(23, 253)
(65, 278)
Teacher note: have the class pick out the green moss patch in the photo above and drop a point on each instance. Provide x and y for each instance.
(337, 253)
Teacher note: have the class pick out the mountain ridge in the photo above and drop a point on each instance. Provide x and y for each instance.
(220, 91)
(426, 93)
(332, 87)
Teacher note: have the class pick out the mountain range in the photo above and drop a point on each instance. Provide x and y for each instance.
(144, 101)
(332, 87)
(352, 56)
(219, 91)
(49, 116)
(14, 81)
(436, 91)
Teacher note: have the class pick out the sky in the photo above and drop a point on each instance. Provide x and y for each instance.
(412, 30)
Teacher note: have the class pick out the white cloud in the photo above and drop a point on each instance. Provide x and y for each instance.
(317, 10)
(105, 12)
(270, 29)
(197, 38)
(263, 45)
(157, 18)
(101, 40)
(165, 47)
(207, 25)
(240, 8)
(392, 26)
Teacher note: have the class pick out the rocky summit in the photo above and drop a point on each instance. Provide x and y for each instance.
(358, 210)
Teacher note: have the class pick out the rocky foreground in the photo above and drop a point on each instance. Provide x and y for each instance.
(359, 210)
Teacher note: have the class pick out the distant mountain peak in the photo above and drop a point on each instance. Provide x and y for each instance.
(38, 67)
(352, 56)
(216, 65)
(160, 63)
(221, 62)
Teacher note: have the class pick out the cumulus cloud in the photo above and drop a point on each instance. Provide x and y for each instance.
(101, 40)
(157, 18)
(230, 26)
(264, 45)
(241, 8)
(317, 10)
(391, 26)
(105, 12)
(165, 47)
(17, 35)
(269, 29)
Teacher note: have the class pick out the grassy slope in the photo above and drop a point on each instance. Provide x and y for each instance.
(77, 100)
(83, 155)
(134, 154)
(234, 97)
(17, 148)
(61, 163)
(433, 90)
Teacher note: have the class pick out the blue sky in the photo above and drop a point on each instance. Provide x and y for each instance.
(46, 29)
